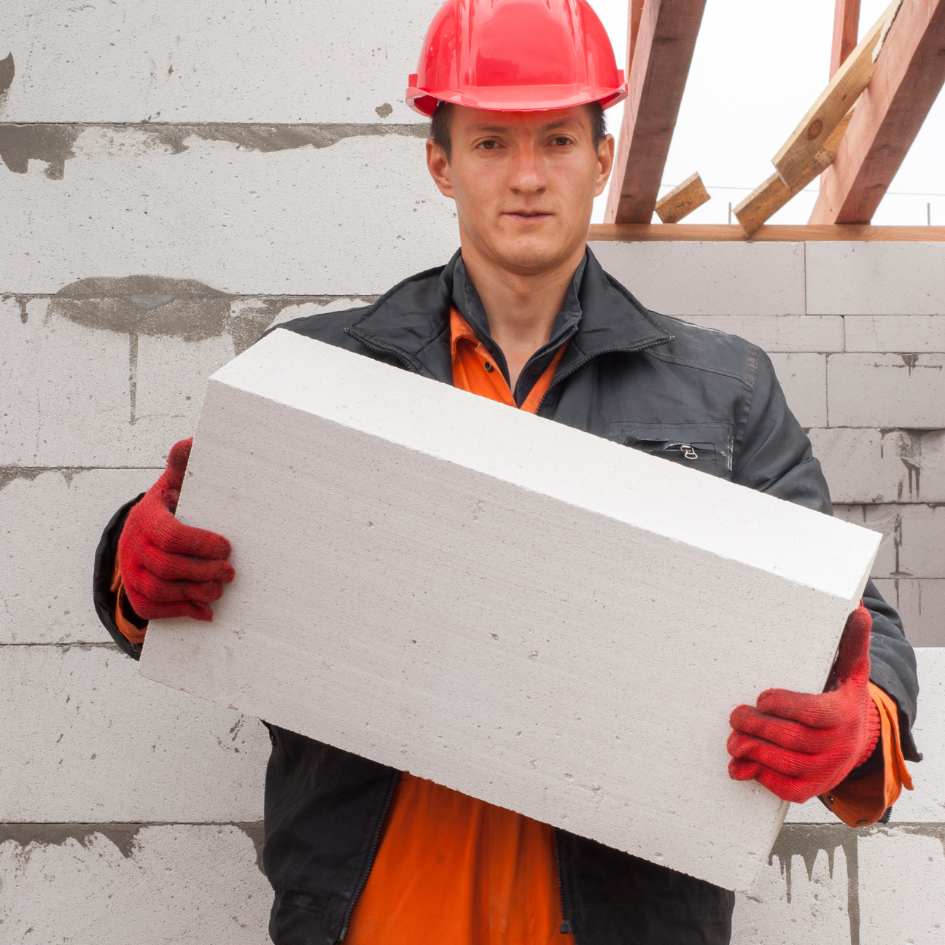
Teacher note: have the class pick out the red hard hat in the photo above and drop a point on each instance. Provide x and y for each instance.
(515, 55)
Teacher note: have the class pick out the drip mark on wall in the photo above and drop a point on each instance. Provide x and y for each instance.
(807, 841)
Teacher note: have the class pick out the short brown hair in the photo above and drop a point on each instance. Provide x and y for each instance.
(440, 124)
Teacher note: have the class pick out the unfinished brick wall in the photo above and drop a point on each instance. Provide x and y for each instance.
(175, 178)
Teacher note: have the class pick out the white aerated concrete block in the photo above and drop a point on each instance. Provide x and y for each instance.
(905, 868)
(50, 521)
(804, 380)
(168, 61)
(218, 207)
(886, 390)
(118, 884)
(87, 739)
(780, 332)
(804, 894)
(502, 603)
(875, 278)
(920, 602)
(868, 465)
(691, 278)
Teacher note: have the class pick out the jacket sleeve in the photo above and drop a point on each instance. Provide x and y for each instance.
(774, 455)
(104, 594)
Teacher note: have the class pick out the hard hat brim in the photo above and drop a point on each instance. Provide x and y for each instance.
(515, 98)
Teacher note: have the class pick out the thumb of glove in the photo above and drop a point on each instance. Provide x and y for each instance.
(853, 658)
(173, 477)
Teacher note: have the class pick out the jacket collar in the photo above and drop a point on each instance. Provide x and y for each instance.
(411, 320)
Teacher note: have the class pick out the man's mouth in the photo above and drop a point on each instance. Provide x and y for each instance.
(527, 214)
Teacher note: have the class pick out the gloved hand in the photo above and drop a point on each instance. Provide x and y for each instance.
(169, 569)
(800, 745)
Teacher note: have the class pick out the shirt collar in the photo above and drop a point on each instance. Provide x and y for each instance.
(466, 300)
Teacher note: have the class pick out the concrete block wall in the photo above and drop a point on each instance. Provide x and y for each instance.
(176, 177)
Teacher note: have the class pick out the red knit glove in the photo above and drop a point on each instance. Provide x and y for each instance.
(800, 745)
(169, 569)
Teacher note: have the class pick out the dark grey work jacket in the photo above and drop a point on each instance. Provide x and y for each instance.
(688, 394)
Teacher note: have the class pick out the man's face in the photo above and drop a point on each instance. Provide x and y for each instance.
(505, 166)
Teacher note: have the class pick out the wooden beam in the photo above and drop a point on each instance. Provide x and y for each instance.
(722, 233)
(909, 75)
(846, 25)
(633, 29)
(773, 194)
(661, 57)
(682, 200)
(799, 151)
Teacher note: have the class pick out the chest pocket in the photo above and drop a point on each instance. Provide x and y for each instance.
(704, 445)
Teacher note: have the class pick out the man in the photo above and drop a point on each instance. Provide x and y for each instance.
(523, 313)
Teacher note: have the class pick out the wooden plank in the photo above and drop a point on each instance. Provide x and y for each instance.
(846, 25)
(798, 152)
(682, 200)
(415, 623)
(661, 57)
(909, 75)
(720, 232)
(633, 29)
(773, 194)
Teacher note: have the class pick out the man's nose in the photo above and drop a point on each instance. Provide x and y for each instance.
(528, 170)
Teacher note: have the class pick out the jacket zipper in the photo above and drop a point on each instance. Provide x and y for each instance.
(566, 925)
(575, 367)
(375, 843)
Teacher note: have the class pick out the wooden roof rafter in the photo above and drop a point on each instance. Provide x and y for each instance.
(661, 40)
(909, 74)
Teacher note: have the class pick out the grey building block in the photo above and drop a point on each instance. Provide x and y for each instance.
(691, 278)
(869, 465)
(875, 278)
(804, 379)
(886, 390)
(88, 739)
(50, 521)
(113, 884)
(354, 216)
(899, 333)
(903, 867)
(803, 894)
(251, 61)
(783, 333)
(920, 603)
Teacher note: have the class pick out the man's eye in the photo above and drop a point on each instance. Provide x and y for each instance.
(563, 138)
(488, 141)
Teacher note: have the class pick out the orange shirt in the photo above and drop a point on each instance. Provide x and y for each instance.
(455, 870)
(452, 869)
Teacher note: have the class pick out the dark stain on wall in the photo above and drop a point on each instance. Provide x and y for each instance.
(158, 305)
(124, 836)
(7, 71)
(9, 473)
(53, 143)
(259, 137)
(50, 143)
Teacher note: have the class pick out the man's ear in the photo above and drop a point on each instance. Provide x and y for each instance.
(605, 159)
(438, 164)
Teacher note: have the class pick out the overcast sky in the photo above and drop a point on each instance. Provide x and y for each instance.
(758, 67)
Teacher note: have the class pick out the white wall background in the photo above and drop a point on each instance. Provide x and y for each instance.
(176, 177)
